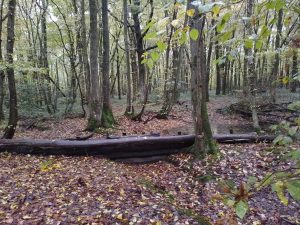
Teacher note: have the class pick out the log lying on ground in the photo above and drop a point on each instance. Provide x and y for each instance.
(124, 147)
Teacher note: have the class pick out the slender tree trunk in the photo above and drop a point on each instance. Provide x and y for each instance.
(107, 119)
(275, 68)
(293, 86)
(134, 68)
(44, 58)
(94, 120)
(218, 67)
(129, 107)
(85, 59)
(251, 77)
(203, 135)
(13, 110)
(208, 61)
(2, 72)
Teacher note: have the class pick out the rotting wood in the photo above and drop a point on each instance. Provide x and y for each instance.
(122, 147)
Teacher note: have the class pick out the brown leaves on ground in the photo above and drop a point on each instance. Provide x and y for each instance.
(93, 190)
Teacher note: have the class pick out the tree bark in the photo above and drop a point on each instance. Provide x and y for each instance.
(2, 72)
(94, 120)
(120, 147)
(203, 134)
(275, 69)
(251, 76)
(9, 131)
(129, 108)
(107, 118)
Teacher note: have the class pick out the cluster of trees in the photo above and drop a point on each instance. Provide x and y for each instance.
(88, 50)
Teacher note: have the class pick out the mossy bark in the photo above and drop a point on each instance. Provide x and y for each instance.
(107, 118)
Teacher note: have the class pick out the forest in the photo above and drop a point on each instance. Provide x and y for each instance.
(150, 112)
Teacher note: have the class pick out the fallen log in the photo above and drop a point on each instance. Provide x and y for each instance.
(123, 147)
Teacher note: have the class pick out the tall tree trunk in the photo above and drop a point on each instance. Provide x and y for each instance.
(208, 61)
(94, 120)
(107, 119)
(275, 69)
(129, 108)
(218, 66)
(86, 69)
(9, 131)
(2, 74)
(143, 82)
(293, 86)
(44, 58)
(251, 76)
(203, 135)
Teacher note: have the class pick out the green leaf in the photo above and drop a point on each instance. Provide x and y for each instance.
(293, 131)
(229, 202)
(258, 44)
(225, 36)
(282, 140)
(248, 43)
(223, 22)
(295, 155)
(161, 45)
(216, 10)
(251, 181)
(155, 56)
(150, 35)
(294, 105)
(150, 63)
(194, 34)
(264, 32)
(241, 209)
(278, 187)
(293, 188)
(279, 4)
(190, 12)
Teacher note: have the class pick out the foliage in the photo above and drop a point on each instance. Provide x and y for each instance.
(281, 181)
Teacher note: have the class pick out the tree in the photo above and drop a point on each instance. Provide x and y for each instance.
(250, 65)
(203, 134)
(129, 107)
(94, 119)
(107, 119)
(2, 72)
(9, 131)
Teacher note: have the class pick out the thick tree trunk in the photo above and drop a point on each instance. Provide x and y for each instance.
(203, 134)
(94, 120)
(120, 147)
(107, 119)
(13, 110)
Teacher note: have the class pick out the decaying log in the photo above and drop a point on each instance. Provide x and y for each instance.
(123, 147)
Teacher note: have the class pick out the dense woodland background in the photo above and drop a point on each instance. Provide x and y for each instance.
(81, 69)
(63, 57)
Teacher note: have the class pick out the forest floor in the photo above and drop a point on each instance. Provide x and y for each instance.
(94, 190)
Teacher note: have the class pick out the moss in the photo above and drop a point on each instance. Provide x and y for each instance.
(92, 124)
(107, 118)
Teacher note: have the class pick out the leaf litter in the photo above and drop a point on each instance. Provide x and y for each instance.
(94, 190)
